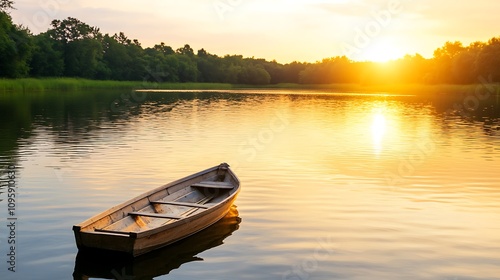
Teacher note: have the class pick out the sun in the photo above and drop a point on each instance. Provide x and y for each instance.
(383, 50)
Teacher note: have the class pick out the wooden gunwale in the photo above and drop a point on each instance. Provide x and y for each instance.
(127, 203)
(188, 204)
(144, 199)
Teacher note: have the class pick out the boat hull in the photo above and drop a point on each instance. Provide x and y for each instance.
(138, 243)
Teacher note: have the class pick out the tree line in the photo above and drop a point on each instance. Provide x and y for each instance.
(72, 48)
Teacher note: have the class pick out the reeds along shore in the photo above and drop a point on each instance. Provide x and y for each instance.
(76, 84)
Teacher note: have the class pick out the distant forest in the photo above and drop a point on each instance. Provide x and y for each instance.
(71, 48)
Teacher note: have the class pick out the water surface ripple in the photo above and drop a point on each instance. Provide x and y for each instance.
(335, 186)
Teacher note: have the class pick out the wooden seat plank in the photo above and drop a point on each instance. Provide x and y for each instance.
(214, 185)
(155, 215)
(115, 231)
(217, 183)
(178, 203)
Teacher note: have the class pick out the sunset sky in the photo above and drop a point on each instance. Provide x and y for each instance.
(305, 30)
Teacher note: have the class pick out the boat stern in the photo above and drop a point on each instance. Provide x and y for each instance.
(105, 241)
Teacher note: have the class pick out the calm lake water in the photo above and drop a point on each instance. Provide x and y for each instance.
(334, 186)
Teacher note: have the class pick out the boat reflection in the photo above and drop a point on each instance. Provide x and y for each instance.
(109, 265)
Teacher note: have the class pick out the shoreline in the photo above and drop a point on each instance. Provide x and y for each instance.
(75, 84)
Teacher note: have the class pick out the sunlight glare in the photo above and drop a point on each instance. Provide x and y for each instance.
(378, 131)
(382, 51)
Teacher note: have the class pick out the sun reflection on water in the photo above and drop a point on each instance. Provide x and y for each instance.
(379, 127)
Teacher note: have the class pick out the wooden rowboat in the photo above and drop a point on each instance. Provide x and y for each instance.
(162, 216)
(92, 264)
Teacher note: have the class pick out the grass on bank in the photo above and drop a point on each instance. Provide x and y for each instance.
(75, 84)
(414, 89)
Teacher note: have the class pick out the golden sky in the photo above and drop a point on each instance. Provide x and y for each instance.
(304, 30)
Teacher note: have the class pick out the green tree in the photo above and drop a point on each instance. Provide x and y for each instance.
(275, 70)
(115, 56)
(82, 48)
(123, 57)
(254, 75)
(47, 58)
(211, 68)
(443, 62)
(330, 70)
(292, 71)
(488, 60)
(72, 29)
(463, 65)
(187, 70)
(160, 67)
(164, 49)
(83, 58)
(15, 48)
(186, 50)
(6, 5)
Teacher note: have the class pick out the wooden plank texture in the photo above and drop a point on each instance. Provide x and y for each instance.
(214, 185)
(182, 204)
(155, 215)
(114, 231)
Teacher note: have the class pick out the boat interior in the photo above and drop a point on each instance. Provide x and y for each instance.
(180, 204)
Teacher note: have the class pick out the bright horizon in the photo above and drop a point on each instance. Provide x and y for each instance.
(285, 31)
